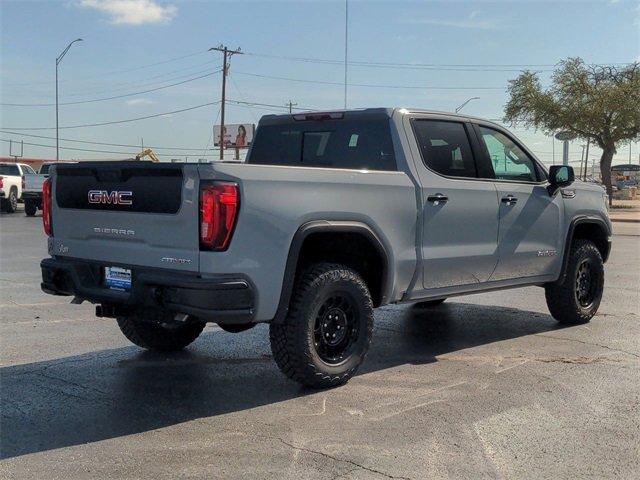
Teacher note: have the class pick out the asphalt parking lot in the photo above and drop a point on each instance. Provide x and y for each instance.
(484, 386)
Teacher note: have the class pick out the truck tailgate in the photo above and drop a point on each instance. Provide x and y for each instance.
(127, 213)
(33, 182)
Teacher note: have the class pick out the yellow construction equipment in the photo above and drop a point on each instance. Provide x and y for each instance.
(147, 153)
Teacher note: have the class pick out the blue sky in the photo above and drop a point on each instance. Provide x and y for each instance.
(122, 38)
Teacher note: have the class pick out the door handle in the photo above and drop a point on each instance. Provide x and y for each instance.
(509, 200)
(437, 199)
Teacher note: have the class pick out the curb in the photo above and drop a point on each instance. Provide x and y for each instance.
(625, 220)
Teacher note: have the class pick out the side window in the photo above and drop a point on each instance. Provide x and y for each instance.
(508, 160)
(27, 169)
(445, 147)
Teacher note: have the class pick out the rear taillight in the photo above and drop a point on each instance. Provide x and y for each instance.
(1, 182)
(219, 204)
(22, 183)
(46, 207)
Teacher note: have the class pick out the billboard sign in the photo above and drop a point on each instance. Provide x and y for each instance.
(237, 135)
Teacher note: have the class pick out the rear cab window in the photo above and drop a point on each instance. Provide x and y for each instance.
(357, 141)
(8, 169)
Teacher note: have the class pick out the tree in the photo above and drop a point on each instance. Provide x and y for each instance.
(595, 102)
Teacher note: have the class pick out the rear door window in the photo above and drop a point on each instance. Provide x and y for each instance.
(445, 147)
(354, 144)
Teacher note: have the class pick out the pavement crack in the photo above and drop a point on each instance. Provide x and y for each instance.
(342, 460)
(606, 347)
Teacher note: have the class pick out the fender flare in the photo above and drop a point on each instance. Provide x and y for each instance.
(317, 226)
(569, 239)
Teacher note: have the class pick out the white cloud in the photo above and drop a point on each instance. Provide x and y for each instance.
(139, 101)
(132, 12)
(471, 22)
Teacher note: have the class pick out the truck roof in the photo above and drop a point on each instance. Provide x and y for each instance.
(361, 113)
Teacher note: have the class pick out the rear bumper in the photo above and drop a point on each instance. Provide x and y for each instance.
(32, 196)
(222, 299)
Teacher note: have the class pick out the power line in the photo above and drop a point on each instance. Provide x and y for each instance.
(116, 121)
(114, 72)
(323, 82)
(93, 100)
(155, 147)
(254, 104)
(473, 66)
(168, 154)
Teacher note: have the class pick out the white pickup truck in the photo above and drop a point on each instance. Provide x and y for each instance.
(32, 189)
(11, 176)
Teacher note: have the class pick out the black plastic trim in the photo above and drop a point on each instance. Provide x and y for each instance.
(567, 245)
(328, 226)
(221, 299)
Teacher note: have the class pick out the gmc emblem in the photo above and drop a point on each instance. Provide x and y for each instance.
(110, 198)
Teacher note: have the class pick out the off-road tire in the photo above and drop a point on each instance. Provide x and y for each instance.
(430, 303)
(562, 298)
(30, 208)
(154, 335)
(292, 342)
(10, 204)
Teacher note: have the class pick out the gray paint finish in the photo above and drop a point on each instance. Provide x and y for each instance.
(472, 243)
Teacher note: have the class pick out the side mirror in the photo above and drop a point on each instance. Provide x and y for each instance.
(560, 176)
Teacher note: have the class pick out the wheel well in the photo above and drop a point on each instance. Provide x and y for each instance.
(595, 233)
(13, 189)
(352, 249)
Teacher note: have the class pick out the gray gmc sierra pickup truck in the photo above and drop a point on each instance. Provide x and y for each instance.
(332, 215)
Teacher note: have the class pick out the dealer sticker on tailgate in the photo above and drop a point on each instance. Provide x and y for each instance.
(117, 278)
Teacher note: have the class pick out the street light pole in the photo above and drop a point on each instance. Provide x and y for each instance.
(463, 105)
(58, 60)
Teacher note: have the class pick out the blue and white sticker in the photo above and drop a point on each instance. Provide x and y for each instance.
(117, 278)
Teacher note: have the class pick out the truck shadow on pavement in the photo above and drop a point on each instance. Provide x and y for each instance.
(112, 393)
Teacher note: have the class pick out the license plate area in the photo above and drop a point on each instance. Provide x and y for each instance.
(117, 278)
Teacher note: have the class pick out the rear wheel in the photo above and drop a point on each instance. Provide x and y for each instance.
(327, 333)
(30, 208)
(11, 202)
(577, 298)
(159, 331)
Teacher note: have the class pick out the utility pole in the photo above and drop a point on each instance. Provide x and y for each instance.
(586, 160)
(291, 105)
(582, 160)
(226, 54)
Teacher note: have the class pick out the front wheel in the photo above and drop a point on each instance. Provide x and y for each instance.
(577, 298)
(158, 331)
(327, 333)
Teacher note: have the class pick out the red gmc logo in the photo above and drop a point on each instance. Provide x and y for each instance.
(110, 198)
